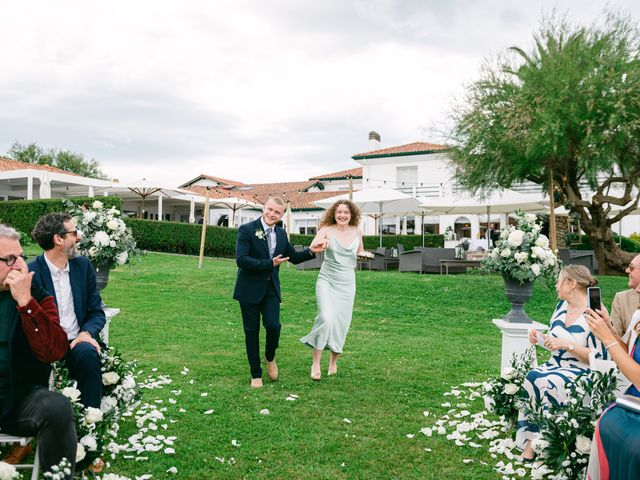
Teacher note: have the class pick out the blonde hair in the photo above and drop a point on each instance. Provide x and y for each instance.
(580, 274)
(277, 201)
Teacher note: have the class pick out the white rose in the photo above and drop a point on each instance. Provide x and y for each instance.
(112, 243)
(7, 471)
(110, 378)
(508, 372)
(542, 241)
(122, 258)
(107, 404)
(515, 238)
(535, 268)
(71, 393)
(92, 415)
(113, 224)
(101, 238)
(506, 252)
(511, 389)
(583, 445)
(80, 453)
(538, 252)
(97, 204)
(89, 441)
(93, 251)
(89, 216)
(521, 257)
(128, 383)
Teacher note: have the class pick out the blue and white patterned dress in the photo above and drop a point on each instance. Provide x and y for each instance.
(546, 384)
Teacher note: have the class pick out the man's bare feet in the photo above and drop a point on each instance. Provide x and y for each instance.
(256, 383)
(315, 372)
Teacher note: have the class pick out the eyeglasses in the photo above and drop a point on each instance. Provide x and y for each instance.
(12, 259)
(70, 232)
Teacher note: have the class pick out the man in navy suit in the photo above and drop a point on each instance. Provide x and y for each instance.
(71, 279)
(261, 247)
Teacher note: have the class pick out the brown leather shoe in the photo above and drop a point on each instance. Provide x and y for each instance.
(272, 370)
(256, 383)
(17, 453)
(97, 466)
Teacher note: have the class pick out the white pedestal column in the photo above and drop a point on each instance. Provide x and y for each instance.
(515, 339)
(109, 312)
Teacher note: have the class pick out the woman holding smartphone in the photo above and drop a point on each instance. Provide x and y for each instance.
(615, 451)
(570, 340)
(336, 285)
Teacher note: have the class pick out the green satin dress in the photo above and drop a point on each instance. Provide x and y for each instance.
(335, 292)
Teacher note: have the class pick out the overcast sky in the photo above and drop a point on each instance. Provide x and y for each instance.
(256, 91)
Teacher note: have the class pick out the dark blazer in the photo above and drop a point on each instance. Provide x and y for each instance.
(86, 299)
(255, 268)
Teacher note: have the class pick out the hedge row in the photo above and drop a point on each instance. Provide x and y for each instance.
(23, 214)
(628, 245)
(184, 238)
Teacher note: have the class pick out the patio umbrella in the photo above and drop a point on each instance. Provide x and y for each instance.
(375, 201)
(145, 188)
(234, 204)
(504, 201)
(192, 211)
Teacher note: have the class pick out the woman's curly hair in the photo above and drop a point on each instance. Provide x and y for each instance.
(329, 217)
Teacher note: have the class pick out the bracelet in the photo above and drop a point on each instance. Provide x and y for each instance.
(612, 344)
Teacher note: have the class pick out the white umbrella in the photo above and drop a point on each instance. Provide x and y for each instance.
(192, 211)
(375, 201)
(504, 201)
(45, 186)
(234, 204)
(145, 188)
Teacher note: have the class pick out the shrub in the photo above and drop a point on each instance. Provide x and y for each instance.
(23, 214)
(628, 244)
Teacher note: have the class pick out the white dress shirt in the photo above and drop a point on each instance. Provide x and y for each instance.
(265, 227)
(64, 296)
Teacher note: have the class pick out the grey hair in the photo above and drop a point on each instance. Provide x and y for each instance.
(7, 232)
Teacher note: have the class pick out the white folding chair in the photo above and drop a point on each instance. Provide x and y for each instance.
(11, 440)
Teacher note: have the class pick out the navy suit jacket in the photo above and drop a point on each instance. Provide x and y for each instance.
(255, 268)
(86, 299)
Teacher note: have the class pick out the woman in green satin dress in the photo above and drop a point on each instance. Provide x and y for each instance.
(336, 285)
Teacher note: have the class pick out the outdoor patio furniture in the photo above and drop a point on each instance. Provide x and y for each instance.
(448, 264)
(383, 260)
(313, 264)
(12, 440)
(579, 257)
(427, 260)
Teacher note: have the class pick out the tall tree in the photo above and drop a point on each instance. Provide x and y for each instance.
(567, 110)
(62, 159)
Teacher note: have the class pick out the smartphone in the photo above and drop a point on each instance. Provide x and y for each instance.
(593, 295)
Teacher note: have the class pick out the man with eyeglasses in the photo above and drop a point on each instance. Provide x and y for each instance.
(30, 339)
(627, 302)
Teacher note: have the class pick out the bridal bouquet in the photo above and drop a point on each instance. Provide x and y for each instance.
(523, 253)
(106, 239)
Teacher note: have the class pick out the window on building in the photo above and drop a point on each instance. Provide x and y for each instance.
(406, 177)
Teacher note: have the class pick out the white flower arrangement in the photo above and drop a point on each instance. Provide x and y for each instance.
(260, 234)
(105, 239)
(8, 472)
(523, 253)
(96, 428)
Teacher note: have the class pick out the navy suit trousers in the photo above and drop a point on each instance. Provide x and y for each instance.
(83, 362)
(269, 309)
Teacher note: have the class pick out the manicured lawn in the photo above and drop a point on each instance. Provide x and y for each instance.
(412, 337)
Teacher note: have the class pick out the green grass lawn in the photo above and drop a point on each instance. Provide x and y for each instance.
(412, 337)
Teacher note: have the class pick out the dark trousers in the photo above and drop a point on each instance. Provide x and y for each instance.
(49, 417)
(269, 309)
(83, 362)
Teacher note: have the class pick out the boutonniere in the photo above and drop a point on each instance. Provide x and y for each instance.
(260, 234)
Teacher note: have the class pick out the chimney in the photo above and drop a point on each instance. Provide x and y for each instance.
(374, 141)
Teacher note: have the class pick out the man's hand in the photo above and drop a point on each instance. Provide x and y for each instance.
(278, 260)
(19, 282)
(85, 337)
(319, 246)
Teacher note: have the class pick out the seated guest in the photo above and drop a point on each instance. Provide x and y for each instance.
(570, 341)
(615, 452)
(72, 280)
(30, 339)
(627, 302)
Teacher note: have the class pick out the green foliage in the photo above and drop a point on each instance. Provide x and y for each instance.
(635, 237)
(62, 159)
(628, 243)
(184, 238)
(23, 214)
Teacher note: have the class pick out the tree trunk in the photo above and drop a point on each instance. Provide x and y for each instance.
(612, 260)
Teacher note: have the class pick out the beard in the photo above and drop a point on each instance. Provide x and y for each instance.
(72, 251)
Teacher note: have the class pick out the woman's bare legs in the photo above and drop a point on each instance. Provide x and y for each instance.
(333, 367)
(315, 366)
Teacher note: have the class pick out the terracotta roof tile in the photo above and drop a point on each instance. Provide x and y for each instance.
(7, 164)
(409, 148)
(353, 172)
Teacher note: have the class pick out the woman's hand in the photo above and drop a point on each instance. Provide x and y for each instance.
(553, 343)
(533, 336)
(600, 325)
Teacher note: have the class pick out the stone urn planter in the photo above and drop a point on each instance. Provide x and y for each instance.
(102, 275)
(518, 294)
